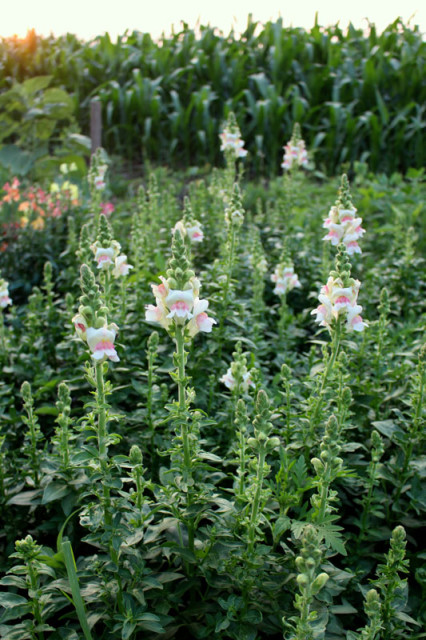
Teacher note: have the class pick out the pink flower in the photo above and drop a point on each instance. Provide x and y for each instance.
(195, 233)
(180, 304)
(200, 320)
(295, 155)
(121, 268)
(105, 256)
(285, 279)
(230, 382)
(101, 343)
(344, 227)
(158, 315)
(232, 142)
(336, 301)
(80, 325)
(107, 208)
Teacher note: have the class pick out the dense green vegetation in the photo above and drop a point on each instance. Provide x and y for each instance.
(357, 96)
(287, 506)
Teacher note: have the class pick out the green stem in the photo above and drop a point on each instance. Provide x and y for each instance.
(256, 501)
(367, 503)
(102, 436)
(2, 335)
(180, 350)
(335, 344)
(36, 607)
(225, 295)
(242, 463)
(323, 501)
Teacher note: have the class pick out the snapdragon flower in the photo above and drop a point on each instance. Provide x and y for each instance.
(106, 249)
(122, 267)
(342, 223)
(230, 382)
(232, 142)
(5, 299)
(230, 138)
(338, 300)
(285, 279)
(190, 228)
(177, 297)
(200, 321)
(101, 343)
(344, 226)
(295, 154)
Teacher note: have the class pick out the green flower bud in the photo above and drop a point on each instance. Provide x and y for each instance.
(135, 455)
(318, 583)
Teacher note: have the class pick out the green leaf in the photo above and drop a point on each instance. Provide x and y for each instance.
(388, 427)
(54, 491)
(18, 162)
(10, 600)
(75, 588)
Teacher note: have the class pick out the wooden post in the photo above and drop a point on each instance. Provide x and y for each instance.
(95, 124)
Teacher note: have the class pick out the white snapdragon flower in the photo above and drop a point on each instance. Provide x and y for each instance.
(337, 301)
(200, 320)
(101, 343)
(285, 279)
(294, 155)
(105, 256)
(5, 299)
(122, 267)
(344, 226)
(180, 304)
(232, 142)
(230, 382)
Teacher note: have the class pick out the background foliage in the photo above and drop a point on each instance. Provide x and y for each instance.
(358, 96)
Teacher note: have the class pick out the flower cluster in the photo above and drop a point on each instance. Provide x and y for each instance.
(339, 297)
(295, 154)
(238, 377)
(32, 205)
(5, 299)
(97, 171)
(91, 322)
(231, 141)
(234, 212)
(284, 278)
(107, 251)
(342, 223)
(188, 227)
(177, 297)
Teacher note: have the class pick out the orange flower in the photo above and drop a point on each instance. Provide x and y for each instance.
(38, 224)
(24, 206)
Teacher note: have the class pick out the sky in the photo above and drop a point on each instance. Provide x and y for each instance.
(89, 18)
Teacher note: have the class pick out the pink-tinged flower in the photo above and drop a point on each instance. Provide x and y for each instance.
(107, 208)
(101, 343)
(285, 279)
(157, 314)
(121, 268)
(80, 325)
(180, 304)
(5, 300)
(344, 226)
(200, 320)
(161, 291)
(230, 382)
(195, 233)
(193, 230)
(105, 256)
(354, 320)
(337, 301)
(294, 155)
(232, 142)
